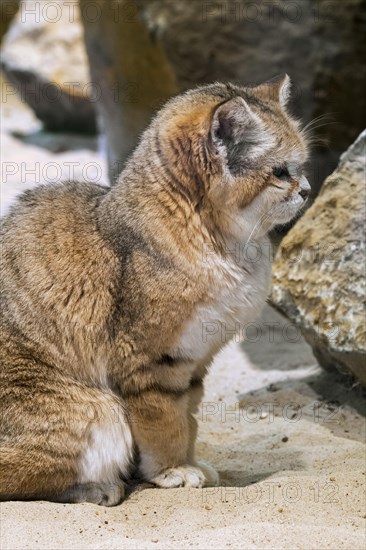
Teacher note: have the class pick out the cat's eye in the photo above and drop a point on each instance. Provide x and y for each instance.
(281, 172)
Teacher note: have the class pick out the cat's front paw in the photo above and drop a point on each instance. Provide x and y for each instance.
(200, 475)
(212, 477)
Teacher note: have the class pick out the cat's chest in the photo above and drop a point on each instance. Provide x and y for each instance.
(238, 295)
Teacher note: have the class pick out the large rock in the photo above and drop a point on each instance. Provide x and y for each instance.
(319, 274)
(43, 56)
(174, 45)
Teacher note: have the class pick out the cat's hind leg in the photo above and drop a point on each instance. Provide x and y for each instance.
(60, 440)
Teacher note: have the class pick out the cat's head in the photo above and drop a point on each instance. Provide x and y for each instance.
(237, 153)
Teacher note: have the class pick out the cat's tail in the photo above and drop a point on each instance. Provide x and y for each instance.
(29, 473)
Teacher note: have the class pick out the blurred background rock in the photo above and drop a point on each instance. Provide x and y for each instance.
(44, 58)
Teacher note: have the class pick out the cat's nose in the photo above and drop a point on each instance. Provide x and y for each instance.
(305, 188)
(304, 193)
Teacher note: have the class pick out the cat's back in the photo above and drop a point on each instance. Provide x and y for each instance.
(38, 210)
(48, 235)
(53, 262)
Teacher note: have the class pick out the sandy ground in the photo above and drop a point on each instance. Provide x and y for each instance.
(287, 438)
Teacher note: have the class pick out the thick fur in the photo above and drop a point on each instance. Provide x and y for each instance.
(114, 300)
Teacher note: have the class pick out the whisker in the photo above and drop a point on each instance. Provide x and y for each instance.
(321, 118)
(260, 222)
(309, 130)
(318, 126)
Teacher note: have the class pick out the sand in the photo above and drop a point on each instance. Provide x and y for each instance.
(287, 438)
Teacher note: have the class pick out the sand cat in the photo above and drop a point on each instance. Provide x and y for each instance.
(112, 299)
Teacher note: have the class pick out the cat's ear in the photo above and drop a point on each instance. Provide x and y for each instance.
(277, 89)
(234, 122)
